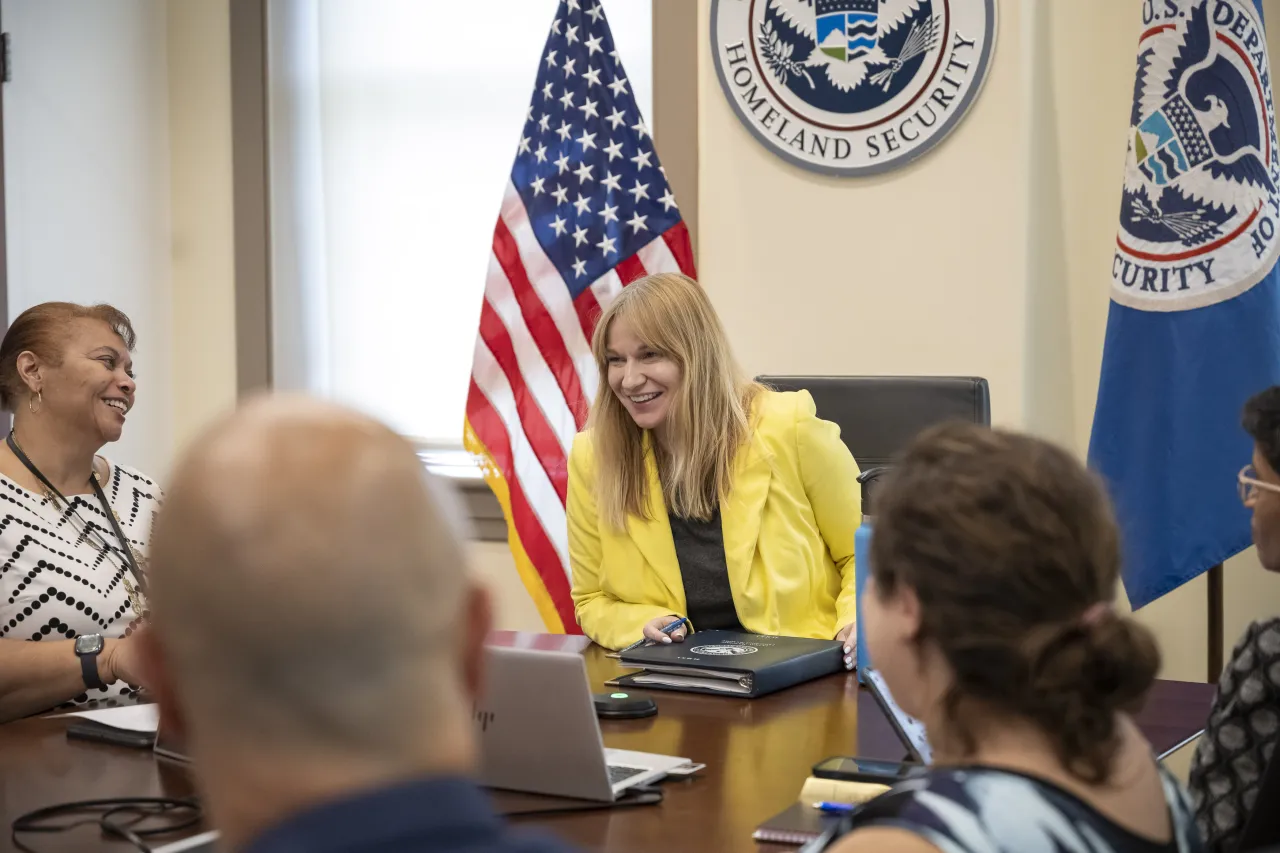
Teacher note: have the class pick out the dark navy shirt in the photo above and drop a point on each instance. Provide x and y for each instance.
(443, 815)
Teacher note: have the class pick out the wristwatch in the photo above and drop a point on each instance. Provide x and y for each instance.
(87, 648)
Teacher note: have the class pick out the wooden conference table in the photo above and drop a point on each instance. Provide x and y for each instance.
(758, 752)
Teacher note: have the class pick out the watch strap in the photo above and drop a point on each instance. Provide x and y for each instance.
(89, 670)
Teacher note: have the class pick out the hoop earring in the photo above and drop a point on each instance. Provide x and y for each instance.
(31, 403)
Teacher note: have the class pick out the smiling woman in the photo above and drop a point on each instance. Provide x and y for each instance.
(73, 526)
(695, 492)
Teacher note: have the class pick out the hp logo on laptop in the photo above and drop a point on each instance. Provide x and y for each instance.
(483, 718)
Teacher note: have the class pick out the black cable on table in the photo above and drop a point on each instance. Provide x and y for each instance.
(119, 818)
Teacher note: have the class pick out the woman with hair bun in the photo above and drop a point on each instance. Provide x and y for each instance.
(988, 613)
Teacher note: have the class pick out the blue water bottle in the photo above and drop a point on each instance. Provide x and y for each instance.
(862, 560)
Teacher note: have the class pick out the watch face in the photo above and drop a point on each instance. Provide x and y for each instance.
(88, 644)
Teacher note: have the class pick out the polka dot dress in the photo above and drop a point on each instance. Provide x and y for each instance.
(1240, 738)
(63, 573)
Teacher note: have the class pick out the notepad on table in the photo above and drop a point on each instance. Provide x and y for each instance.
(801, 822)
(133, 718)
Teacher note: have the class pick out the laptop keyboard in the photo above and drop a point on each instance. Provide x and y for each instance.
(618, 773)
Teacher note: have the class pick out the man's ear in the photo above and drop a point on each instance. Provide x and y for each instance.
(475, 630)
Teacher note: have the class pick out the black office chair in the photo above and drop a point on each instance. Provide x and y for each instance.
(879, 415)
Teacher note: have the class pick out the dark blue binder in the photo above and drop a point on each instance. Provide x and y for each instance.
(731, 663)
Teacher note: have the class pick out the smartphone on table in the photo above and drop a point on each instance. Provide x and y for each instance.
(853, 769)
(102, 733)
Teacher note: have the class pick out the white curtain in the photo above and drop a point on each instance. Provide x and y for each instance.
(393, 126)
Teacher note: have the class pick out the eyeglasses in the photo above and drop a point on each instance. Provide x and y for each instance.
(1250, 484)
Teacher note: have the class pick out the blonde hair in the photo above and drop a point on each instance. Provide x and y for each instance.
(709, 417)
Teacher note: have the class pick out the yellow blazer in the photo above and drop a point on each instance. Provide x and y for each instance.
(788, 535)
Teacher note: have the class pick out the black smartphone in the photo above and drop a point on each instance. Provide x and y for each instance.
(91, 730)
(848, 769)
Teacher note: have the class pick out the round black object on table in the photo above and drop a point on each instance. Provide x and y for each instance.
(620, 705)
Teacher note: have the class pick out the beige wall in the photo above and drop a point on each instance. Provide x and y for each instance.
(203, 246)
(809, 277)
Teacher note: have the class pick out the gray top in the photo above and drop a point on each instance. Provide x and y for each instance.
(1240, 739)
(700, 551)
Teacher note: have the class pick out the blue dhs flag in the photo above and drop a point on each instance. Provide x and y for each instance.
(1194, 324)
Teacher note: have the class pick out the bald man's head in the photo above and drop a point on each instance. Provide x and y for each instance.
(308, 584)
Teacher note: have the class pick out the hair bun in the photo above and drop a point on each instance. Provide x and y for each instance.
(1080, 676)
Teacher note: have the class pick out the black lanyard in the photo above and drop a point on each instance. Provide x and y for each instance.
(102, 499)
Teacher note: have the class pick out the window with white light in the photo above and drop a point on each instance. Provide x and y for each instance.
(393, 129)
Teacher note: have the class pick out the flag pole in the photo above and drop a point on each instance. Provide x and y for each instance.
(1215, 623)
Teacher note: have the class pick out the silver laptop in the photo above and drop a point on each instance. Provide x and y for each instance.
(908, 729)
(538, 731)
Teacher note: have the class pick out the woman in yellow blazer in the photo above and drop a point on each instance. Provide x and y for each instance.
(696, 492)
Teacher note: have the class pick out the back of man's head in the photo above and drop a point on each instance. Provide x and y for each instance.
(309, 594)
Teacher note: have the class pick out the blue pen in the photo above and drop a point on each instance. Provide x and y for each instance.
(667, 630)
(835, 808)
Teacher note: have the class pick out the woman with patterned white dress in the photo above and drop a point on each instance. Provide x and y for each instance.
(74, 526)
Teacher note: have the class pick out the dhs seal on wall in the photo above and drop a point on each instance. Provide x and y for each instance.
(852, 87)
(1199, 213)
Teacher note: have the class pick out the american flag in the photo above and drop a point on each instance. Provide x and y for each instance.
(587, 210)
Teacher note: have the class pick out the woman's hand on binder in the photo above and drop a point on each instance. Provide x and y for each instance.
(848, 635)
(653, 630)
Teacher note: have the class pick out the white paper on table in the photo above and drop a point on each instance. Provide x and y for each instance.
(202, 843)
(133, 718)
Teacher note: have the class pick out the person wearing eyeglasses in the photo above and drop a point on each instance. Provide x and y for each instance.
(1244, 724)
(74, 526)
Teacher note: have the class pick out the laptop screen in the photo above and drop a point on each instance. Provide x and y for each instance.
(910, 730)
